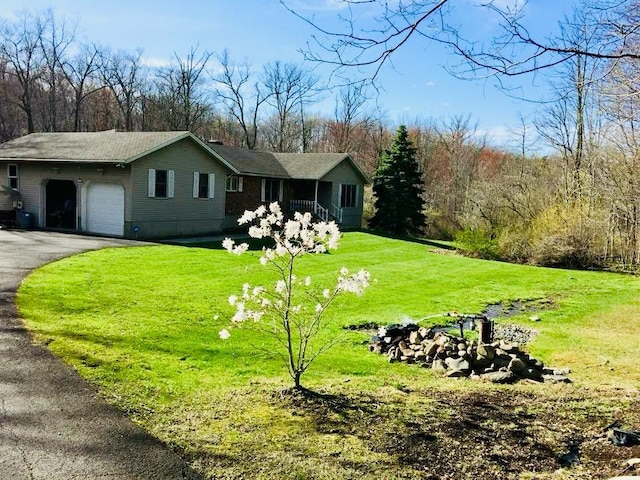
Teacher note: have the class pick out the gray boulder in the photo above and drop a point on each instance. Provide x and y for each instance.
(500, 377)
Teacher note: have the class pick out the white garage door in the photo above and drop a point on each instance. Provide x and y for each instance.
(105, 209)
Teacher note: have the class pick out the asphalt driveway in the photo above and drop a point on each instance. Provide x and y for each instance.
(52, 423)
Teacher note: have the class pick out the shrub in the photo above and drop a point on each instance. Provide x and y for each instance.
(477, 242)
(568, 235)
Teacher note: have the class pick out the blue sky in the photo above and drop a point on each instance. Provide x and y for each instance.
(416, 86)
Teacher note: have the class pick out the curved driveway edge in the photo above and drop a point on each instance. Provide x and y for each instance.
(52, 423)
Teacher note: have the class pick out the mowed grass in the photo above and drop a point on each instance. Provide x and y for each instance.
(142, 323)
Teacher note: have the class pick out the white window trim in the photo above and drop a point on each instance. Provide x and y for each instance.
(239, 183)
(170, 184)
(264, 185)
(212, 185)
(196, 184)
(356, 203)
(211, 179)
(16, 176)
(152, 183)
(171, 181)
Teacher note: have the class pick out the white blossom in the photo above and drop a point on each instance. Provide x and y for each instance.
(274, 207)
(319, 308)
(292, 229)
(272, 219)
(233, 299)
(228, 244)
(247, 217)
(281, 286)
(241, 314)
(240, 249)
(260, 211)
(224, 334)
(256, 232)
(355, 283)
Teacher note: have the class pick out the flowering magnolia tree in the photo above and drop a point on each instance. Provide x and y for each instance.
(291, 309)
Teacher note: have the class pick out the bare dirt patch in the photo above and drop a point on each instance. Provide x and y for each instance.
(492, 434)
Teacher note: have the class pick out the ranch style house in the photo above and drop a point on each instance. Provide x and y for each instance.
(152, 185)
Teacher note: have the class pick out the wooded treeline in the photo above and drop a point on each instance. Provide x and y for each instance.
(52, 81)
(577, 205)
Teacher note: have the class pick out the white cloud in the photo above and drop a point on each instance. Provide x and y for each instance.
(430, 84)
(496, 135)
(155, 62)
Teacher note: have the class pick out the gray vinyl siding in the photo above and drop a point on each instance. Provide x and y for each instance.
(181, 215)
(344, 173)
(33, 178)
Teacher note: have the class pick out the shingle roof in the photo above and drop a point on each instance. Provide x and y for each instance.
(106, 147)
(310, 166)
(251, 162)
(300, 166)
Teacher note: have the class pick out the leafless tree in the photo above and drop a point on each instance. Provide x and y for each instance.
(124, 75)
(79, 73)
(11, 122)
(512, 51)
(242, 97)
(288, 88)
(180, 85)
(20, 47)
(349, 114)
(566, 122)
(55, 38)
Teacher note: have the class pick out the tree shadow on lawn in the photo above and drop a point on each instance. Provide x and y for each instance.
(493, 434)
(422, 241)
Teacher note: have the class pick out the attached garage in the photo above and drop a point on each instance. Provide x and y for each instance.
(142, 185)
(104, 209)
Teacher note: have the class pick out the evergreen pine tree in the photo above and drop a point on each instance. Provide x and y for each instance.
(397, 185)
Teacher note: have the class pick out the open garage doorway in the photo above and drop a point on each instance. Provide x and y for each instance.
(61, 205)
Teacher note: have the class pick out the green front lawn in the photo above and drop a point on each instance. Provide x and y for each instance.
(142, 323)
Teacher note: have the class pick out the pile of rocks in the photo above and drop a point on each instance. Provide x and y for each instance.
(497, 362)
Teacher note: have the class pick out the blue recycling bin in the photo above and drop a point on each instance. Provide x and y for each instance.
(25, 219)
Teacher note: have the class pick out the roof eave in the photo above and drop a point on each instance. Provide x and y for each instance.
(353, 163)
(213, 152)
(63, 160)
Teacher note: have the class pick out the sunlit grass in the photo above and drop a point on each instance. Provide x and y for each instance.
(142, 323)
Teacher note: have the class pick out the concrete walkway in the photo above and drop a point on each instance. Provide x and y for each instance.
(52, 423)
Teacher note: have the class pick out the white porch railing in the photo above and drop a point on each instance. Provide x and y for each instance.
(309, 206)
(336, 212)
